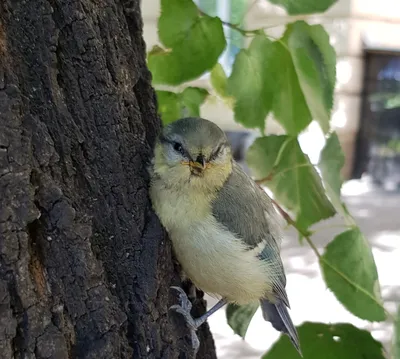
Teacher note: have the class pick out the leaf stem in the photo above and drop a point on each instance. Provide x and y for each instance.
(281, 149)
(266, 179)
(273, 173)
(235, 26)
(320, 228)
(245, 32)
(276, 163)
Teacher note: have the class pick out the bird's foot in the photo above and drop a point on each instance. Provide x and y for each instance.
(184, 309)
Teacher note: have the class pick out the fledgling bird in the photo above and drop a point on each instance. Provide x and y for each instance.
(224, 229)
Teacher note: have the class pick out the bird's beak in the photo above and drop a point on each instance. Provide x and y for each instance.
(200, 163)
(198, 166)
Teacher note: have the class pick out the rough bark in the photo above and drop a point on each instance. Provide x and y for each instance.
(85, 266)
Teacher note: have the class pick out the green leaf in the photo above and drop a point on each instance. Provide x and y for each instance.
(289, 104)
(328, 341)
(350, 272)
(298, 7)
(193, 43)
(219, 80)
(292, 178)
(396, 336)
(250, 83)
(315, 62)
(240, 316)
(172, 105)
(263, 79)
(176, 20)
(191, 100)
(168, 106)
(330, 164)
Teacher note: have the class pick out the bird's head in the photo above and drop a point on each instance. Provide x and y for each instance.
(195, 152)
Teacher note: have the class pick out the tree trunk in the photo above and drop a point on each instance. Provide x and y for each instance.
(85, 266)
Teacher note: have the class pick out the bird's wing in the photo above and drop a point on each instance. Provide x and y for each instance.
(246, 210)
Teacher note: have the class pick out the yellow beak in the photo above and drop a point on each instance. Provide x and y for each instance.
(198, 165)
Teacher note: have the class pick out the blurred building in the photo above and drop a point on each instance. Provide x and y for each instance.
(366, 36)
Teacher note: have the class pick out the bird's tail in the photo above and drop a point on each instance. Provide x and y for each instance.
(279, 317)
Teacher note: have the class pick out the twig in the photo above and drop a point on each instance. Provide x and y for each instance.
(235, 26)
(244, 32)
(275, 174)
(265, 179)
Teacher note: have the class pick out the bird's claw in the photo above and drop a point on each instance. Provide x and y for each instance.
(191, 323)
(184, 309)
(184, 302)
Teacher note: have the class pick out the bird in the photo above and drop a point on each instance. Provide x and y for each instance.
(224, 228)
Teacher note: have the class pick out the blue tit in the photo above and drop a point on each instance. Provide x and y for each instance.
(224, 228)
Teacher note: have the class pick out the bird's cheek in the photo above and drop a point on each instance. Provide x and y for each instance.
(181, 172)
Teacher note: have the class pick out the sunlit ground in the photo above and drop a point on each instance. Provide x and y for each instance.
(377, 213)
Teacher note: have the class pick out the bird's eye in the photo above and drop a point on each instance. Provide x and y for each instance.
(178, 148)
(216, 153)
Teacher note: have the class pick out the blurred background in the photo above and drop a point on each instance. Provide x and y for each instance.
(366, 116)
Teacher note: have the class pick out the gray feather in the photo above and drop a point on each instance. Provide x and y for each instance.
(194, 133)
(244, 211)
(280, 319)
(279, 281)
(251, 216)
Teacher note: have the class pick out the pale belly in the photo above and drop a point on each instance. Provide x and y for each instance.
(218, 263)
(215, 260)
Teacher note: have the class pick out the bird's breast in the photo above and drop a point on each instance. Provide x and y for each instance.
(218, 262)
(178, 208)
(215, 259)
